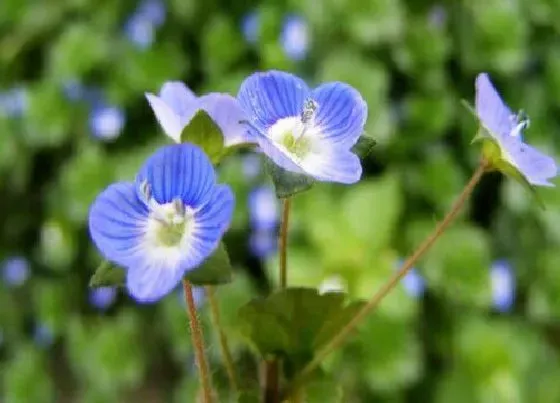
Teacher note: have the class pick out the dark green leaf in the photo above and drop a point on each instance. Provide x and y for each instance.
(206, 134)
(293, 324)
(286, 183)
(215, 270)
(364, 146)
(107, 275)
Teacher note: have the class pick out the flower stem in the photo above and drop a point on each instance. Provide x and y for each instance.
(271, 376)
(283, 242)
(341, 336)
(226, 352)
(198, 343)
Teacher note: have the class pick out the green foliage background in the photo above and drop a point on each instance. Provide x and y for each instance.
(413, 69)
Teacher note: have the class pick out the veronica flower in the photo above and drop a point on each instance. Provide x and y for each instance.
(303, 130)
(295, 37)
(505, 129)
(106, 122)
(15, 271)
(102, 297)
(263, 243)
(164, 224)
(503, 285)
(263, 208)
(176, 105)
(250, 27)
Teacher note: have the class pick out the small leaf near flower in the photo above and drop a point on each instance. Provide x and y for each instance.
(205, 133)
(214, 271)
(286, 183)
(364, 146)
(294, 323)
(107, 275)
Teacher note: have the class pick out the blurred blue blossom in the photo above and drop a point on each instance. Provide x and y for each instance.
(250, 26)
(295, 37)
(15, 271)
(74, 90)
(263, 208)
(412, 282)
(165, 223)
(14, 102)
(251, 166)
(503, 285)
(437, 16)
(43, 335)
(176, 105)
(106, 122)
(102, 297)
(504, 128)
(263, 243)
(199, 295)
(303, 130)
(140, 28)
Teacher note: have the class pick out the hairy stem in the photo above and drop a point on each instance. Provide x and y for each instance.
(283, 242)
(224, 346)
(198, 343)
(341, 336)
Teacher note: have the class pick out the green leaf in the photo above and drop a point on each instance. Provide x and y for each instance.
(107, 275)
(364, 146)
(206, 134)
(215, 270)
(286, 183)
(294, 323)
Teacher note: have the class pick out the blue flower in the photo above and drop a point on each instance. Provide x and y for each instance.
(503, 285)
(303, 130)
(15, 271)
(153, 11)
(43, 335)
(177, 104)
(413, 282)
(250, 27)
(14, 102)
(164, 224)
(505, 128)
(102, 297)
(263, 243)
(295, 37)
(263, 208)
(106, 122)
(140, 31)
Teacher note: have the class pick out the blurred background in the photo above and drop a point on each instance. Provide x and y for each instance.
(478, 319)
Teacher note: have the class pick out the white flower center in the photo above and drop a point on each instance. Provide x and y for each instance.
(169, 225)
(295, 134)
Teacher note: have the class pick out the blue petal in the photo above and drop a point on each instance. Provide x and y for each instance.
(178, 97)
(341, 113)
(216, 214)
(537, 167)
(116, 222)
(270, 96)
(491, 110)
(178, 171)
(333, 165)
(149, 281)
(228, 115)
(168, 119)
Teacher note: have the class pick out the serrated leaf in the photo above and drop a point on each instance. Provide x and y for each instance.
(364, 146)
(294, 323)
(206, 134)
(214, 271)
(107, 275)
(286, 183)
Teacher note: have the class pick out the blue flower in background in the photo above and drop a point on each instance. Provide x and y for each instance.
(140, 31)
(15, 271)
(250, 27)
(438, 16)
(165, 223)
(199, 296)
(503, 285)
(106, 122)
(74, 90)
(43, 335)
(263, 243)
(505, 129)
(176, 105)
(141, 26)
(251, 166)
(303, 130)
(295, 37)
(413, 282)
(102, 297)
(14, 102)
(263, 208)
